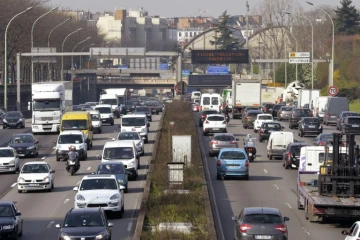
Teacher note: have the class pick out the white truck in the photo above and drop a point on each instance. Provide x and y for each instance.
(123, 94)
(308, 96)
(291, 92)
(245, 93)
(50, 100)
(319, 107)
(112, 100)
(268, 95)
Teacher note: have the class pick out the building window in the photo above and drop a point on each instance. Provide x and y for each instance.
(195, 33)
(191, 34)
(186, 34)
(180, 34)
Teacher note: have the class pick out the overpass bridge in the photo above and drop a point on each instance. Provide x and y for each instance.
(136, 83)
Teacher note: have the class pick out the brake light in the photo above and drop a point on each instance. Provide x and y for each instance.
(250, 149)
(322, 143)
(214, 142)
(203, 116)
(218, 163)
(247, 117)
(281, 228)
(247, 163)
(288, 154)
(265, 109)
(233, 142)
(206, 121)
(244, 227)
(262, 130)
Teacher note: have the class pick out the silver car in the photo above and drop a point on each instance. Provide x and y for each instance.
(135, 136)
(284, 113)
(222, 140)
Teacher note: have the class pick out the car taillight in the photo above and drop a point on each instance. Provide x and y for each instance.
(265, 109)
(218, 163)
(281, 228)
(214, 142)
(203, 116)
(288, 154)
(322, 143)
(206, 121)
(247, 117)
(247, 163)
(233, 142)
(262, 130)
(244, 227)
(327, 115)
(250, 149)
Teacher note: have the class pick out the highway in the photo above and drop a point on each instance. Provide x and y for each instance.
(269, 185)
(41, 211)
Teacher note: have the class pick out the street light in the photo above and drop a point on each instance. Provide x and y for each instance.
(56, 28)
(331, 75)
(5, 57)
(312, 47)
(32, 40)
(82, 50)
(72, 56)
(296, 49)
(62, 50)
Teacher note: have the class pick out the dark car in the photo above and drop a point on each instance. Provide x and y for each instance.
(310, 125)
(131, 105)
(275, 110)
(203, 115)
(267, 107)
(76, 108)
(144, 109)
(249, 118)
(85, 223)
(322, 139)
(86, 107)
(154, 106)
(262, 222)
(284, 113)
(249, 109)
(2, 114)
(351, 125)
(25, 144)
(296, 115)
(267, 128)
(291, 157)
(114, 168)
(13, 119)
(341, 118)
(10, 221)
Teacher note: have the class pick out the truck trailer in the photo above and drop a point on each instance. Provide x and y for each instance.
(245, 93)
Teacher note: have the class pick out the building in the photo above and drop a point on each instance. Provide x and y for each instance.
(186, 34)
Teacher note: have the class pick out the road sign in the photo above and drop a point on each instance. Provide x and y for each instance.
(333, 91)
(163, 66)
(299, 60)
(218, 70)
(181, 87)
(209, 80)
(299, 55)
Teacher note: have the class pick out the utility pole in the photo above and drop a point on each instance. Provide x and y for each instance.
(247, 31)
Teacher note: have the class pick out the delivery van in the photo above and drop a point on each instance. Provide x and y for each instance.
(278, 142)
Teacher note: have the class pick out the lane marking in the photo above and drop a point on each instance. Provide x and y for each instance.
(77, 183)
(50, 224)
(54, 148)
(288, 204)
(66, 201)
(265, 171)
(13, 185)
(276, 187)
(43, 158)
(305, 231)
(88, 168)
(129, 226)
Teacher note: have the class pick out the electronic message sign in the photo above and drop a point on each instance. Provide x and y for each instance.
(219, 56)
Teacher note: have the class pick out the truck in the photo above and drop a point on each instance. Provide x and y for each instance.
(50, 100)
(268, 95)
(246, 93)
(308, 96)
(123, 95)
(291, 92)
(112, 100)
(319, 107)
(226, 94)
(328, 182)
(141, 92)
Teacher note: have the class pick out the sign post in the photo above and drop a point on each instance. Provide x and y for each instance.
(333, 91)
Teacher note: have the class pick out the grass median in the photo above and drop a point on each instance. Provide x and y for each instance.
(171, 206)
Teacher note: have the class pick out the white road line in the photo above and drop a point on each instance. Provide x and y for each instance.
(54, 148)
(50, 224)
(13, 185)
(66, 201)
(77, 184)
(43, 158)
(288, 204)
(88, 168)
(265, 171)
(129, 226)
(276, 187)
(305, 231)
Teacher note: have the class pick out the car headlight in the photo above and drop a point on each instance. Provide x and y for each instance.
(131, 164)
(21, 179)
(8, 227)
(4, 120)
(80, 198)
(20, 120)
(115, 196)
(63, 236)
(30, 148)
(12, 162)
(120, 181)
(101, 236)
(46, 179)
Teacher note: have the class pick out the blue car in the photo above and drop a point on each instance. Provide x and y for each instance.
(115, 168)
(232, 162)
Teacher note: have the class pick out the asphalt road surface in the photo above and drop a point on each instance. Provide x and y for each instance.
(41, 211)
(270, 185)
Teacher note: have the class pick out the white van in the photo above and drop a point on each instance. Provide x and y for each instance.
(71, 138)
(113, 100)
(106, 113)
(278, 142)
(195, 95)
(211, 101)
(319, 107)
(96, 121)
(136, 123)
(125, 152)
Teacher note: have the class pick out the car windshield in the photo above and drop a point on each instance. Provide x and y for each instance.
(265, 117)
(262, 218)
(350, 114)
(95, 117)
(98, 184)
(35, 168)
(286, 109)
(232, 155)
(277, 107)
(111, 169)
(142, 109)
(216, 118)
(197, 94)
(6, 211)
(104, 109)
(83, 220)
(272, 126)
(74, 124)
(133, 121)
(251, 109)
(302, 112)
(151, 104)
(118, 153)
(71, 138)
(224, 138)
(269, 105)
(325, 137)
(354, 120)
(206, 101)
(21, 139)
(6, 153)
(108, 101)
(47, 105)
(311, 121)
(12, 115)
(128, 136)
(253, 114)
(296, 149)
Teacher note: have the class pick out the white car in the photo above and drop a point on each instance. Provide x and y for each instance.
(135, 137)
(71, 138)
(96, 121)
(36, 176)
(353, 233)
(102, 191)
(260, 119)
(214, 123)
(9, 160)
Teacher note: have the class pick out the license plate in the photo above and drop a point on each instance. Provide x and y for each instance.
(216, 129)
(262, 237)
(206, 108)
(250, 154)
(21, 155)
(2, 167)
(103, 120)
(233, 167)
(33, 184)
(311, 126)
(355, 125)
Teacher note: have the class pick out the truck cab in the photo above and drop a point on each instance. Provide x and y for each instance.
(112, 100)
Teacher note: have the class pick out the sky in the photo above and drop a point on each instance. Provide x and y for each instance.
(178, 8)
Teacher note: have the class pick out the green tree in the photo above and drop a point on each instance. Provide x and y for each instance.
(224, 40)
(347, 18)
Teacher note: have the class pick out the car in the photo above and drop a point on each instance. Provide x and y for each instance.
(341, 118)
(66, 139)
(214, 123)
(267, 107)
(36, 176)
(131, 105)
(275, 110)
(96, 121)
(144, 110)
(249, 118)
(134, 136)
(232, 162)
(102, 191)
(351, 125)
(10, 221)
(92, 104)
(322, 139)
(284, 113)
(9, 160)
(296, 115)
(76, 108)
(88, 223)
(249, 109)
(114, 168)
(195, 107)
(86, 107)
(153, 106)
(310, 125)
(260, 223)
(222, 140)
(2, 114)
(291, 156)
(267, 128)
(13, 119)
(354, 232)
(106, 113)
(260, 119)
(203, 114)
(25, 144)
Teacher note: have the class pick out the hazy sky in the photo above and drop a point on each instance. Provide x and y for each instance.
(177, 8)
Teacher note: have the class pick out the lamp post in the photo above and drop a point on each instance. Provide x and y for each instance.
(331, 75)
(171, 125)
(5, 56)
(72, 57)
(62, 50)
(82, 50)
(312, 47)
(32, 39)
(296, 49)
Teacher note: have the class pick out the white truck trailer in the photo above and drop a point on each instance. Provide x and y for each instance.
(123, 95)
(308, 96)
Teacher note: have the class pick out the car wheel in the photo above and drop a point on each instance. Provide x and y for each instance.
(210, 154)
(246, 177)
(219, 177)
(286, 165)
(270, 157)
(301, 133)
(118, 116)
(21, 232)
(126, 189)
(88, 146)
(112, 123)
(150, 119)
(20, 191)
(139, 166)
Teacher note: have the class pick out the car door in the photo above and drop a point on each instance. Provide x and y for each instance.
(353, 232)
(18, 219)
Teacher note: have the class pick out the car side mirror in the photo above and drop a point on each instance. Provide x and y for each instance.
(76, 189)
(52, 171)
(98, 157)
(110, 224)
(234, 218)
(54, 141)
(113, 139)
(18, 214)
(58, 226)
(286, 219)
(122, 187)
(148, 124)
(344, 232)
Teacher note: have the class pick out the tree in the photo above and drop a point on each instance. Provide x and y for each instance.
(347, 18)
(224, 40)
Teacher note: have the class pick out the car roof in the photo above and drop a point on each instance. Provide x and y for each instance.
(232, 149)
(299, 144)
(84, 210)
(72, 132)
(94, 112)
(103, 105)
(264, 114)
(111, 163)
(132, 115)
(213, 115)
(35, 162)
(103, 176)
(223, 134)
(4, 148)
(119, 143)
(266, 210)
(254, 111)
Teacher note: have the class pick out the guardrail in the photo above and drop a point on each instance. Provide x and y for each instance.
(137, 81)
